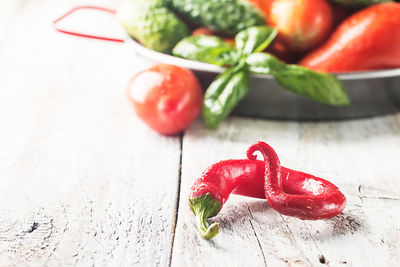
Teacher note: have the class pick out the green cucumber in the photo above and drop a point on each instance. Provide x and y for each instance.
(222, 16)
(152, 23)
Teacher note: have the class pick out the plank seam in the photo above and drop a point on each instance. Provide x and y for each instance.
(255, 234)
(178, 197)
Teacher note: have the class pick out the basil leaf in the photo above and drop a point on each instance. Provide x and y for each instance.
(318, 86)
(263, 63)
(254, 39)
(209, 49)
(224, 94)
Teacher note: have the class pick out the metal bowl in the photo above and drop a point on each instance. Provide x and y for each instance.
(371, 93)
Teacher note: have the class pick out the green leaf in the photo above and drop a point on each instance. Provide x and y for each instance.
(318, 86)
(255, 39)
(209, 49)
(263, 63)
(224, 94)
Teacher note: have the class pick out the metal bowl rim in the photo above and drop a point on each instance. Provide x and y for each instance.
(205, 67)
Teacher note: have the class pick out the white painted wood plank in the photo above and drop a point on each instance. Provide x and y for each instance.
(348, 153)
(83, 181)
(238, 242)
(9, 12)
(77, 188)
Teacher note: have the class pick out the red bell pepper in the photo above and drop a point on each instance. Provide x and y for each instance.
(367, 40)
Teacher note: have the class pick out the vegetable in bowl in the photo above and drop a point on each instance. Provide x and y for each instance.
(222, 16)
(232, 85)
(152, 23)
(247, 55)
(368, 40)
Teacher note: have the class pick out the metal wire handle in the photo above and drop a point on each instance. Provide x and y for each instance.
(104, 38)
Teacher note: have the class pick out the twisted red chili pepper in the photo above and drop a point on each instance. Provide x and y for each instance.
(289, 192)
(308, 197)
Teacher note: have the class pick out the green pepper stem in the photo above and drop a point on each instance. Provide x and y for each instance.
(204, 207)
(208, 232)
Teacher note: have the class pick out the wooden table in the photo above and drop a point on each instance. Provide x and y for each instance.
(84, 182)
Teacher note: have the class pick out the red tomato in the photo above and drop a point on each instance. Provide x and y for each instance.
(302, 24)
(166, 97)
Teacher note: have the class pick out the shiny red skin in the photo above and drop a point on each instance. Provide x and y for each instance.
(166, 97)
(367, 40)
(294, 193)
(289, 192)
(242, 176)
(301, 24)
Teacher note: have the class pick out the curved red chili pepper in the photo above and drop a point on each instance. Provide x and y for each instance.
(246, 177)
(306, 197)
(213, 188)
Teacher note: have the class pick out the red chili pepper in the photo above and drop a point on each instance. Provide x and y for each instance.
(289, 192)
(213, 188)
(306, 197)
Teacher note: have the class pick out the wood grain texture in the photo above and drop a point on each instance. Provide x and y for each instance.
(358, 156)
(84, 182)
(81, 176)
